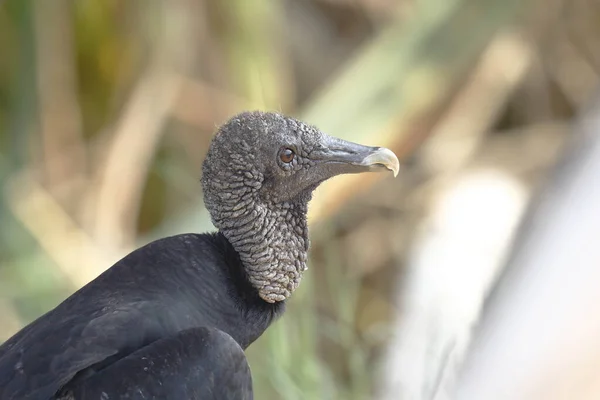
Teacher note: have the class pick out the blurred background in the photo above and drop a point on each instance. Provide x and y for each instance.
(107, 108)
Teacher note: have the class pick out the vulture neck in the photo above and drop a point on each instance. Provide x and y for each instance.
(271, 239)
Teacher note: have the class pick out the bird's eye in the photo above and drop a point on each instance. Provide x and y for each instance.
(286, 155)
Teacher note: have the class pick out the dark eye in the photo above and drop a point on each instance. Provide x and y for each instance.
(286, 155)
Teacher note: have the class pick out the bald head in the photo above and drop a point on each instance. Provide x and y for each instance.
(258, 177)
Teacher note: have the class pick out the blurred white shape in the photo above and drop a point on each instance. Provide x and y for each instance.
(540, 335)
(452, 267)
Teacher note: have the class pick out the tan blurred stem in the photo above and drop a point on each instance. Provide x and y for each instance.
(582, 30)
(462, 126)
(390, 93)
(476, 106)
(60, 116)
(500, 72)
(138, 131)
(401, 82)
(571, 71)
(129, 157)
(10, 320)
(75, 253)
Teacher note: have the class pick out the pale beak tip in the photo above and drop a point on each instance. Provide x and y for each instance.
(384, 157)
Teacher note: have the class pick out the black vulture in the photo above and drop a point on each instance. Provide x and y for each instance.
(171, 319)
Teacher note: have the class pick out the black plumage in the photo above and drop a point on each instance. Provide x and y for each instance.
(159, 290)
(171, 319)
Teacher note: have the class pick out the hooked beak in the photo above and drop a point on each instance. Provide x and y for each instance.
(344, 157)
(381, 157)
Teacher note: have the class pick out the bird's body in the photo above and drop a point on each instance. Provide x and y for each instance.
(166, 287)
(171, 319)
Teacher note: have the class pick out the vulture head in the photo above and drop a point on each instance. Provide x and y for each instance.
(258, 177)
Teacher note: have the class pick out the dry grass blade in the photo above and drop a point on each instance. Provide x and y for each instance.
(136, 137)
(10, 320)
(476, 106)
(60, 116)
(138, 131)
(405, 77)
(62, 239)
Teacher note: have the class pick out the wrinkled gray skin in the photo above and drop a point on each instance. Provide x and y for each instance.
(259, 203)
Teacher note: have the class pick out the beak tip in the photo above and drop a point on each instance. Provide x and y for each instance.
(386, 158)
